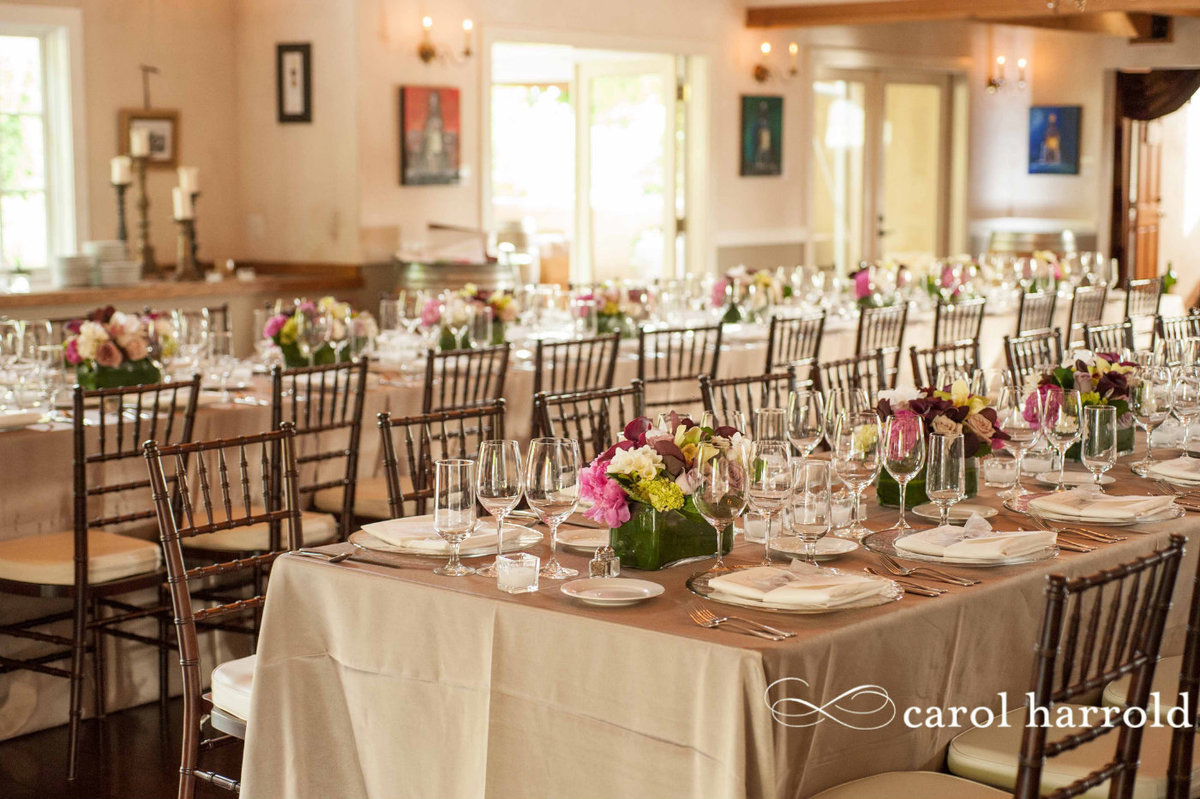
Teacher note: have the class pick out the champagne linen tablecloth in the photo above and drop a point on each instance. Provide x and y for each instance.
(381, 682)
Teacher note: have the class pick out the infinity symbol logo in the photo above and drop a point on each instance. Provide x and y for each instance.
(860, 708)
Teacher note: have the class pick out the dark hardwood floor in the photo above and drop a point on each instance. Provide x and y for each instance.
(131, 755)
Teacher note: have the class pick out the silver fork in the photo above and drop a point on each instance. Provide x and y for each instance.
(705, 618)
(706, 612)
(909, 586)
(329, 557)
(923, 571)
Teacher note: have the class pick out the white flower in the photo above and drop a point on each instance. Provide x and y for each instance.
(899, 396)
(1087, 356)
(642, 463)
(91, 336)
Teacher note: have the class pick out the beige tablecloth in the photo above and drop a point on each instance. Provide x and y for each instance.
(392, 682)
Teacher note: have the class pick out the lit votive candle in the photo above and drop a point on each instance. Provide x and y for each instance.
(517, 573)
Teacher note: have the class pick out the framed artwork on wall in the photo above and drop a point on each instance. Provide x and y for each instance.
(293, 82)
(1054, 139)
(762, 135)
(429, 136)
(163, 125)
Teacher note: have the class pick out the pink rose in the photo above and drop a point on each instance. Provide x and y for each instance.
(274, 325)
(718, 292)
(862, 284)
(72, 353)
(107, 354)
(136, 349)
(431, 314)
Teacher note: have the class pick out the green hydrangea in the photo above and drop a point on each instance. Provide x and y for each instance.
(664, 495)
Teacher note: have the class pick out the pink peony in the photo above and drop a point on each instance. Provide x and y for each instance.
(72, 352)
(108, 355)
(862, 284)
(610, 505)
(431, 314)
(274, 325)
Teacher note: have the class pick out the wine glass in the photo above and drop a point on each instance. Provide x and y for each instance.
(1186, 401)
(498, 485)
(770, 424)
(904, 456)
(769, 484)
(552, 490)
(1062, 418)
(721, 494)
(1022, 428)
(454, 509)
(1099, 448)
(191, 332)
(811, 504)
(857, 460)
(337, 333)
(805, 414)
(479, 325)
(839, 402)
(945, 473)
(1150, 405)
(312, 333)
(53, 368)
(222, 359)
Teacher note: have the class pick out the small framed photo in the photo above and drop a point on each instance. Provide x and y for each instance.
(1054, 139)
(163, 125)
(293, 82)
(429, 136)
(762, 135)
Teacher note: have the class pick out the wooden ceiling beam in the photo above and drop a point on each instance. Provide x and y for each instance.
(880, 11)
(1111, 23)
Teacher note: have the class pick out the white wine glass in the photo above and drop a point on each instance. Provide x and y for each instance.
(805, 419)
(1062, 424)
(1018, 415)
(840, 402)
(552, 490)
(1150, 405)
(769, 485)
(498, 486)
(721, 494)
(454, 510)
(1099, 447)
(945, 472)
(770, 424)
(857, 459)
(1186, 402)
(904, 456)
(811, 504)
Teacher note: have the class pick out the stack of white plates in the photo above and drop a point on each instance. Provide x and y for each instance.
(119, 273)
(70, 271)
(106, 250)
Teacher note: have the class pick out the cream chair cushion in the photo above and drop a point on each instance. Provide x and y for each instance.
(989, 755)
(317, 528)
(911, 785)
(370, 498)
(1165, 682)
(232, 683)
(50, 559)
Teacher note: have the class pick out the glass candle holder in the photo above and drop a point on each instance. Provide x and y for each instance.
(517, 573)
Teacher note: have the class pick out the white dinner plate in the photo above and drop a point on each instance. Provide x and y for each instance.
(611, 592)
(958, 514)
(524, 540)
(582, 539)
(15, 420)
(828, 547)
(1072, 478)
(1173, 512)
(884, 542)
(698, 584)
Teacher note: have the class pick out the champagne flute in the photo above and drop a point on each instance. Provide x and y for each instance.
(811, 504)
(857, 460)
(904, 456)
(552, 490)
(770, 424)
(1150, 403)
(1022, 428)
(454, 509)
(1062, 420)
(805, 413)
(498, 485)
(945, 473)
(769, 485)
(1099, 447)
(1186, 401)
(721, 494)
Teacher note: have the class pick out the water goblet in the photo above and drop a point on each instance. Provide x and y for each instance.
(1018, 415)
(770, 424)
(839, 402)
(1062, 424)
(857, 460)
(769, 485)
(498, 485)
(1150, 405)
(805, 414)
(811, 504)
(904, 456)
(945, 472)
(222, 359)
(1185, 401)
(454, 510)
(552, 490)
(721, 494)
(1099, 447)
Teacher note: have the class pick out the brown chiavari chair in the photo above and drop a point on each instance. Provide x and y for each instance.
(746, 394)
(1142, 297)
(958, 321)
(1087, 308)
(882, 329)
(412, 444)
(1093, 627)
(929, 361)
(1036, 311)
(1109, 338)
(101, 559)
(794, 338)
(1033, 353)
(1176, 327)
(567, 367)
(462, 378)
(671, 357)
(234, 488)
(868, 372)
(595, 419)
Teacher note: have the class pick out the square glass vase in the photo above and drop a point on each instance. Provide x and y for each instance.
(651, 540)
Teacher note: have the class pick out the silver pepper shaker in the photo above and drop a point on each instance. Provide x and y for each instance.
(605, 563)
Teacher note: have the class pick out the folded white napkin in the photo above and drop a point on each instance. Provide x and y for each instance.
(416, 534)
(13, 419)
(1186, 470)
(975, 540)
(802, 586)
(1088, 505)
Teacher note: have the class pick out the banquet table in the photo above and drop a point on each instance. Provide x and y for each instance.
(388, 681)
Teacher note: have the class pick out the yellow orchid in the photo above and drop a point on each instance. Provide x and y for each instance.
(960, 392)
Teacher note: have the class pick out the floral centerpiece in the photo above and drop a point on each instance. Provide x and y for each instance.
(868, 293)
(612, 311)
(109, 348)
(748, 294)
(954, 410)
(504, 311)
(952, 282)
(1101, 378)
(642, 487)
(346, 332)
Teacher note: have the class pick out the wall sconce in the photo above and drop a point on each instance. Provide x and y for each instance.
(762, 71)
(997, 79)
(428, 51)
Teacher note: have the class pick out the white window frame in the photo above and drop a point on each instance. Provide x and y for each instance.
(61, 33)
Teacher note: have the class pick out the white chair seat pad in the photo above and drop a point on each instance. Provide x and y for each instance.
(1165, 682)
(232, 683)
(50, 559)
(911, 785)
(316, 528)
(370, 498)
(989, 755)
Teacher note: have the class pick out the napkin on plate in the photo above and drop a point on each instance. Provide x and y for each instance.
(1184, 470)
(416, 534)
(802, 586)
(975, 540)
(14, 419)
(1088, 505)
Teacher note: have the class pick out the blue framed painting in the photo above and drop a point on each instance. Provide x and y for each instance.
(762, 136)
(1054, 139)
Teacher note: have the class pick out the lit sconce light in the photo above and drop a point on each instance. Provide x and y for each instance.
(428, 51)
(793, 56)
(762, 71)
(998, 78)
(1021, 63)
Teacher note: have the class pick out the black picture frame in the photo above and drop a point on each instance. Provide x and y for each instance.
(293, 104)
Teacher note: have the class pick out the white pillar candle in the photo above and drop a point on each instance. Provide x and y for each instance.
(189, 179)
(122, 170)
(183, 203)
(139, 142)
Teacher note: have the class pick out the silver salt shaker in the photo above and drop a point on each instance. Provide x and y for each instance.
(605, 563)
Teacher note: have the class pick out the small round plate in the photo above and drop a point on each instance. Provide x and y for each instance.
(698, 584)
(1071, 478)
(15, 420)
(613, 592)
(958, 513)
(885, 543)
(828, 547)
(582, 539)
(525, 538)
